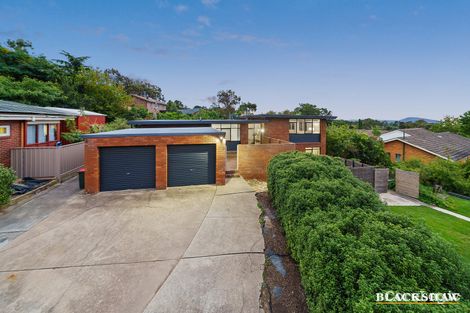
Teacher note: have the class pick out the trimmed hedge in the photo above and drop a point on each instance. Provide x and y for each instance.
(7, 177)
(349, 247)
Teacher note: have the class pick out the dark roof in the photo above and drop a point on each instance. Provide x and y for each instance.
(193, 122)
(286, 116)
(179, 131)
(446, 144)
(148, 99)
(19, 108)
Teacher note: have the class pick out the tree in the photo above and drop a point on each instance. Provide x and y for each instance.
(350, 144)
(448, 123)
(174, 106)
(135, 86)
(465, 124)
(72, 64)
(247, 108)
(227, 101)
(93, 90)
(31, 91)
(311, 109)
(208, 114)
(17, 62)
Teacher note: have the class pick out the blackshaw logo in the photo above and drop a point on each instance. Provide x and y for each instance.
(391, 297)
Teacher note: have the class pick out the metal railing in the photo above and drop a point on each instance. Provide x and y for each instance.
(39, 162)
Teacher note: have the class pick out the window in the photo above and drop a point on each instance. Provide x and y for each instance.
(31, 134)
(304, 126)
(255, 132)
(314, 151)
(52, 132)
(5, 131)
(42, 133)
(232, 131)
(397, 157)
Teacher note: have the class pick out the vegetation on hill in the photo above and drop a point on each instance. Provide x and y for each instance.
(7, 177)
(69, 82)
(349, 247)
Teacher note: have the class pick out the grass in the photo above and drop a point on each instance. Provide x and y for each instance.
(458, 205)
(452, 229)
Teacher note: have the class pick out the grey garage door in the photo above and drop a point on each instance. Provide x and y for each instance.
(191, 165)
(127, 168)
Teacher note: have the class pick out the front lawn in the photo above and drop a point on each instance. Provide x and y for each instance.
(452, 229)
(458, 205)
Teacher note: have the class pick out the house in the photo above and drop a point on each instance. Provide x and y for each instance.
(24, 125)
(83, 119)
(152, 105)
(425, 145)
(167, 153)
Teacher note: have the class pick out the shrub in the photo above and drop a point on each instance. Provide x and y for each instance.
(348, 247)
(7, 177)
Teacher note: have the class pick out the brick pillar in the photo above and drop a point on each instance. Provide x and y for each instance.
(243, 134)
(220, 155)
(92, 174)
(323, 136)
(161, 166)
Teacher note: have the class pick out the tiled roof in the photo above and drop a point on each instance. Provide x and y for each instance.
(446, 144)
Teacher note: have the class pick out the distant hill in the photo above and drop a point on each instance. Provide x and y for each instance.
(415, 119)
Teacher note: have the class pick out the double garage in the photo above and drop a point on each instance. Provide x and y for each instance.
(154, 158)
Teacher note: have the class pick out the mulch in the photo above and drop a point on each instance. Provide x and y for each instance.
(282, 290)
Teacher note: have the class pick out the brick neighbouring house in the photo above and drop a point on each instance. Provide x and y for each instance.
(24, 125)
(164, 153)
(425, 145)
(154, 106)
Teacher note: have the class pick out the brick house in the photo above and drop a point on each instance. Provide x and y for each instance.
(166, 153)
(154, 106)
(425, 145)
(24, 125)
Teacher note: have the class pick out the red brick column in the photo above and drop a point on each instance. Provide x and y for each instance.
(323, 136)
(92, 174)
(161, 168)
(243, 134)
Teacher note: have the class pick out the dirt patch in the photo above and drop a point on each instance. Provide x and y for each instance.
(282, 290)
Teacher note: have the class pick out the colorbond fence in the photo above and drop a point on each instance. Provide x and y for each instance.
(41, 162)
(407, 183)
(377, 177)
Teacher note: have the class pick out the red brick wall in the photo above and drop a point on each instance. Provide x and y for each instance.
(92, 181)
(253, 160)
(14, 141)
(394, 147)
(83, 123)
(277, 128)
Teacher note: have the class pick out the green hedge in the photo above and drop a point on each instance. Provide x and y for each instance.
(349, 247)
(7, 177)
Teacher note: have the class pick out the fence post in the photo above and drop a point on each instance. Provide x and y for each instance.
(58, 162)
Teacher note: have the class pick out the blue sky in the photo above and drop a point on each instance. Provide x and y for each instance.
(380, 59)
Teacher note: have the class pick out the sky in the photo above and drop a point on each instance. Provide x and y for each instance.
(381, 59)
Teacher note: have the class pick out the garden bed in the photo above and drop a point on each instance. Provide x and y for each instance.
(282, 290)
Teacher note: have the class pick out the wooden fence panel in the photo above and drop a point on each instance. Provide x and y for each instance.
(407, 183)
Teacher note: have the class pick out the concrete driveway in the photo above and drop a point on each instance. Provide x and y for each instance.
(192, 249)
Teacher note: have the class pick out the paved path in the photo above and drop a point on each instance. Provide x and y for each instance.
(192, 249)
(392, 198)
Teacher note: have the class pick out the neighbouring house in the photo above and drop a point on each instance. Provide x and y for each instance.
(154, 106)
(425, 145)
(167, 153)
(23, 125)
(83, 119)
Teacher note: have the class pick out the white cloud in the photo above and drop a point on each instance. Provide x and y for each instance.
(204, 20)
(247, 38)
(181, 8)
(210, 3)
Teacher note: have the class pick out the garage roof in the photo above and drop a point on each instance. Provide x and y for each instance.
(135, 132)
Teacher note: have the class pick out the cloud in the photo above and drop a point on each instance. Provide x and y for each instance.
(150, 50)
(373, 17)
(162, 3)
(210, 3)
(95, 31)
(247, 38)
(120, 38)
(204, 21)
(181, 8)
